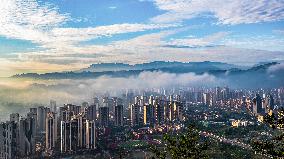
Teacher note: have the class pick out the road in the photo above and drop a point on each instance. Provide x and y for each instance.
(233, 142)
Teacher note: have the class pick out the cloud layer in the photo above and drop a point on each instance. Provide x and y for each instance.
(226, 11)
(18, 95)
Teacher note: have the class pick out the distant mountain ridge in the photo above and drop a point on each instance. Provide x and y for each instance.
(154, 65)
(126, 70)
(257, 76)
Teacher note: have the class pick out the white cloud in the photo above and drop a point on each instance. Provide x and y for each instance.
(226, 11)
(27, 20)
(151, 47)
(271, 43)
(85, 89)
(42, 24)
(209, 40)
(112, 7)
(83, 34)
(276, 68)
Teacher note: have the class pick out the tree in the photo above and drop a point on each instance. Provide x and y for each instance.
(275, 146)
(187, 145)
(270, 119)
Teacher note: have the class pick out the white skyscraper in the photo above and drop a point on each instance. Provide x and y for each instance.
(50, 131)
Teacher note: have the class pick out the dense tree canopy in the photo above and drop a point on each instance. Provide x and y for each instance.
(273, 147)
(187, 145)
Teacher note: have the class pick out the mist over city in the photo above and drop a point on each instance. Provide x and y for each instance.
(144, 79)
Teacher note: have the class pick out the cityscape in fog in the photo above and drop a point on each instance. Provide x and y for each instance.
(134, 119)
(142, 79)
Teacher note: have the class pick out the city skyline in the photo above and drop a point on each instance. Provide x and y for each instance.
(62, 35)
(107, 125)
(141, 79)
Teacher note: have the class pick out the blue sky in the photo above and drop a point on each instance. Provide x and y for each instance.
(60, 35)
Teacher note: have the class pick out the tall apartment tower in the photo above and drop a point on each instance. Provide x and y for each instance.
(41, 116)
(257, 105)
(51, 131)
(160, 106)
(104, 116)
(9, 146)
(90, 134)
(69, 136)
(118, 115)
(27, 132)
(91, 112)
(148, 114)
(134, 114)
(77, 133)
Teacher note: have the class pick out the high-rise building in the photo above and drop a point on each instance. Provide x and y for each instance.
(143, 101)
(218, 93)
(91, 112)
(206, 99)
(104, 116)
(134, 114)
(81, 121)
(90, 134)
(33, 113)
(149, 114)
(270, 102)
(86, 132)
(73, 109)
(77, 133)
(69, 110)
(105, 102)
(118, 115)
(111, 104)
(151, 100)
(159, 113)
(64, 115)
(27, 132)
(137, 100)
(175, 111)
(257, 105)
(280, 96)
(69, 135)
(41, 116)
(171, 110)
(171, 98)
(178, 107)
(162, 110)
(97, 103)
(117, 101)
(225, 93)
(9, 146)
(51, 131)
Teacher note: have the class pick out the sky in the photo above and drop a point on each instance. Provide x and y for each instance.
(63, 35)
